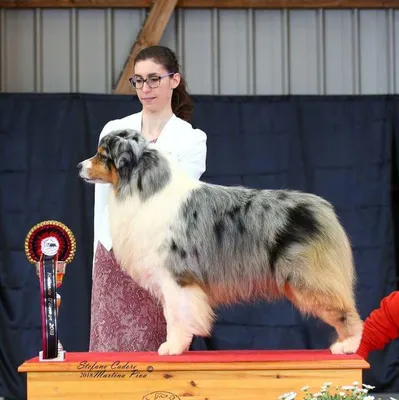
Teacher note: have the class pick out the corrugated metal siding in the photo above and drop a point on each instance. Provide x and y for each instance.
(222, 51)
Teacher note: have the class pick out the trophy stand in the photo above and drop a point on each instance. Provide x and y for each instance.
(50, 245)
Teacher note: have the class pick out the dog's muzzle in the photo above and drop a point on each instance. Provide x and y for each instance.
(82, 168)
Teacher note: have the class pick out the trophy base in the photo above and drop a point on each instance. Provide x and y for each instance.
(61, 357)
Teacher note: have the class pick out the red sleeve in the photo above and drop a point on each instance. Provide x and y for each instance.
(381, 326)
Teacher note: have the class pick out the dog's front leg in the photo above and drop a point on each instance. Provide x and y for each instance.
(178, 338)
(187, 313)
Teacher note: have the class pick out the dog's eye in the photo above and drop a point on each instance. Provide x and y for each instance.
(102, 157)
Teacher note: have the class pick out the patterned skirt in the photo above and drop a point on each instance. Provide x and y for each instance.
(124, 317)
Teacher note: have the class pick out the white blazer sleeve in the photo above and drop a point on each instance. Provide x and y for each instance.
(100, 196)
(192, 157)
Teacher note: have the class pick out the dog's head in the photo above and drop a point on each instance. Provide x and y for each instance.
(117, 156)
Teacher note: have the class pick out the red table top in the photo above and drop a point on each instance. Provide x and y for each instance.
(209, 356)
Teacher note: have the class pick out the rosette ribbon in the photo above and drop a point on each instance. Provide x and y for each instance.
(50, 245)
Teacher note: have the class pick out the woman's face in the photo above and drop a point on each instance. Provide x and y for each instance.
(155, 94)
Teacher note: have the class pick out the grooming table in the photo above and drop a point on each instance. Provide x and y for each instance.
(205, 375)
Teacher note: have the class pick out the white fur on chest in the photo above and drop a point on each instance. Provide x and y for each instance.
(138, 230)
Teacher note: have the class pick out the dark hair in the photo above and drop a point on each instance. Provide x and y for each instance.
(181, 101)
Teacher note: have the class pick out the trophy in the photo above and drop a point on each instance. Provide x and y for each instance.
(50, 246)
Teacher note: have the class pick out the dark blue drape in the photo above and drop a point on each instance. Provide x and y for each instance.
(338, 147)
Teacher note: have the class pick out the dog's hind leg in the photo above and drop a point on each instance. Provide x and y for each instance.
(321, 283)
(336, 310)
(187, 313)
(348, 326)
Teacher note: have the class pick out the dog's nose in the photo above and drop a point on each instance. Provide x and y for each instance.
(79, 166)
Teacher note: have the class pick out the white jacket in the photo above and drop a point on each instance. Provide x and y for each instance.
(178, 138)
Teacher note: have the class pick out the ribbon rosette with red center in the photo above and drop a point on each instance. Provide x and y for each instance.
(46, 245)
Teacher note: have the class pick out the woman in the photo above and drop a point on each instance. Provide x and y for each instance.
(124, 317)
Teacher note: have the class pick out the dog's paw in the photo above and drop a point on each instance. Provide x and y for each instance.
(337, 348)
(170, 349)
(347, 346)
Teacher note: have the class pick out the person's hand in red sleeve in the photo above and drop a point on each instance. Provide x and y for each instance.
(381, 327)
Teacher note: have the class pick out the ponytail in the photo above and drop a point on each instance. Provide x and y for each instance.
(182, 105)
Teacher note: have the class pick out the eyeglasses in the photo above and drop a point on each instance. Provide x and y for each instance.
(153, 81)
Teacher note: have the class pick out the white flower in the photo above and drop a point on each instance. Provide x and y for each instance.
(348, 387)
(288, 396)
(392, 398)
(368, 386)
(354, 391)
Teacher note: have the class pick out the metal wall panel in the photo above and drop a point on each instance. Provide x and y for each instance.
(222, 51)
(339, 53)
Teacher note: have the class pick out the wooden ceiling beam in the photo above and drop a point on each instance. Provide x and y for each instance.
(150, 35)
(221, 4)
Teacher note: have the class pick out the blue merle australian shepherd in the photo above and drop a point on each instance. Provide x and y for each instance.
(195, 246)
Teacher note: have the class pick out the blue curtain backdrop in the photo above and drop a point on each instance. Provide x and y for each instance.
(338, 147)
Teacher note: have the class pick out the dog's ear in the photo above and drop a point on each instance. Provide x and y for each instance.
(126, 159)
(125, 148)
